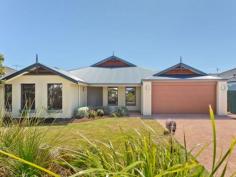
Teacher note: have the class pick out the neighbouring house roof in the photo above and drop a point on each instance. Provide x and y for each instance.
(113, 62)
(65, 74)
(232, 85)
(230, 75)
(8, 71)
(181, 70)
(121, 75)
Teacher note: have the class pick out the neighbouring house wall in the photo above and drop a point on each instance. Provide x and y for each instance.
(121, 98)
(1, 99)
(221, 103)
(147, 98)
(70, 95)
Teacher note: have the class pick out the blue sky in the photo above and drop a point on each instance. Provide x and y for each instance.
(150, 33)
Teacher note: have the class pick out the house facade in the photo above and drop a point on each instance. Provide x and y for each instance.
(52, 92)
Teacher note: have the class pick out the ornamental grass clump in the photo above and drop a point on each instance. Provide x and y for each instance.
(141, 154)
(25, 151)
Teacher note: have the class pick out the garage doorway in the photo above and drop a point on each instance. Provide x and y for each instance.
(183, 97)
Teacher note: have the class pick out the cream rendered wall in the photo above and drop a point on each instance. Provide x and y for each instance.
(70, 95)
(121, 98)
(105, 96)
(221, 98)
(147, 98)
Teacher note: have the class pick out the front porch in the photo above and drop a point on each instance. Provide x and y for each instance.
(128, 96)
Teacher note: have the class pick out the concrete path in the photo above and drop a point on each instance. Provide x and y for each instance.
(198, 131)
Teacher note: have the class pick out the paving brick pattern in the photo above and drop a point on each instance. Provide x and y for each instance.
(198, 131)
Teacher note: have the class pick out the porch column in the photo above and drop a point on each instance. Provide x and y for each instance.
(147, 98)
(221, 98)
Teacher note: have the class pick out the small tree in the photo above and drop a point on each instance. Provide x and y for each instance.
(2, 69)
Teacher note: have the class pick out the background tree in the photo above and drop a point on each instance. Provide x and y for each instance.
(2, 69)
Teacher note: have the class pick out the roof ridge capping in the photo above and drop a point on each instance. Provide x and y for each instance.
(181, 65)
(113, 58)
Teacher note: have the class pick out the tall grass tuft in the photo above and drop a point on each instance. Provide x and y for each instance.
(144, 154)
(25, 150)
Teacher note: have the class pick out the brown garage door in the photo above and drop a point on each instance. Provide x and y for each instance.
(184, 97)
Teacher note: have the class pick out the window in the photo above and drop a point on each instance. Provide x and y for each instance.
(8, 97)
(130, 94)
(113, 96)
(28, 96)
(54, 96)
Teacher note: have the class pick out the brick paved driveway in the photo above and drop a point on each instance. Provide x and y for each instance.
(198, 131)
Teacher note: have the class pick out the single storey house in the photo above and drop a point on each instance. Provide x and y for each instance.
(230, 76)
(52, 92)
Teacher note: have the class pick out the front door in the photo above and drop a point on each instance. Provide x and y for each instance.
(95, 96)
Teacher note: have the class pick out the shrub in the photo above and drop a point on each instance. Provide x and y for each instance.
(122, 111)
(113, 115)
(82, 112)
(92, 114)
(100, 112)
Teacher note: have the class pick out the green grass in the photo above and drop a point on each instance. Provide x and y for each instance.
(103, 147)
(107, 129)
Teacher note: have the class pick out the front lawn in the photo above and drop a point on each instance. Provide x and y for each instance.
(107, 129)
(102, 147)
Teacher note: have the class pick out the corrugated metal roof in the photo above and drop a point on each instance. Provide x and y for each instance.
(228, 74)
(208, 77)
(125, 75)
(8, 71)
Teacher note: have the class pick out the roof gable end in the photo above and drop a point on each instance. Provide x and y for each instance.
(113, 62)
(38, 68)
(181, 70)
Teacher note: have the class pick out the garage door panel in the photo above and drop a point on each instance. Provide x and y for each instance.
(183, 97)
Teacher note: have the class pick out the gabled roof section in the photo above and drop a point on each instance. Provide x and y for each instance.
(229, 74)
(65, 74)
(113, 62)
(8, 71)
(180, 70)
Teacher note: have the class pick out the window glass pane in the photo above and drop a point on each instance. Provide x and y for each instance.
(8, 97)
(113, 96)
(130, 93)
(28, 96)
(54, 96)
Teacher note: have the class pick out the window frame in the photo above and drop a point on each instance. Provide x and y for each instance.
(61, 106)
(34, 102)
(135, 95)
(5, 99)
(117, 90)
